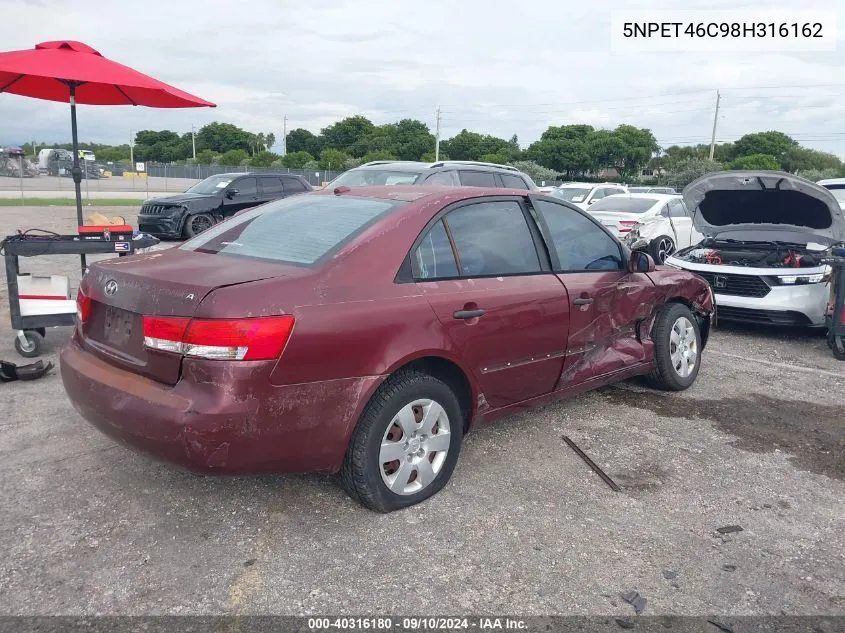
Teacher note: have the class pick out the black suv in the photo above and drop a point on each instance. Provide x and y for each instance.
(453, 173)
(212, 200)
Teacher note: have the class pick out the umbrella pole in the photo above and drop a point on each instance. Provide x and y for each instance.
(76, 172)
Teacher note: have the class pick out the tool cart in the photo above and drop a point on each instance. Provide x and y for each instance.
(39, 302)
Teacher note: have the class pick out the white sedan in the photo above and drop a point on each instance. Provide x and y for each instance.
(658, 224)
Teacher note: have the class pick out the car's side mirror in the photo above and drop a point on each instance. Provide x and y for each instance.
(590, 202)
(231, 193)
(640, 262)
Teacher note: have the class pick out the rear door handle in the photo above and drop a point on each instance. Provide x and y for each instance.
(468, 314)
(583, 301)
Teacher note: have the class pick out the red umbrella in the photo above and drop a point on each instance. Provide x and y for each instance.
(73, 72)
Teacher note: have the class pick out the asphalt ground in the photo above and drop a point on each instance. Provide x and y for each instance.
(88, 527)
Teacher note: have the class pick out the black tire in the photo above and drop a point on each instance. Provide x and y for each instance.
(660, 248)
(34, 342)
(197, 223)
(361, 473)
(42, 331)
(837, 346)
(664, 375)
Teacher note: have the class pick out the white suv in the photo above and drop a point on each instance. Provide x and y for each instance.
(583, 194)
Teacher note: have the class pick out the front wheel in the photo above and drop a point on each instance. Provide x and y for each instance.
(661, 248)
(197, 223)
(405, 445)
(837, 346)
(31, 346)
(677, 348)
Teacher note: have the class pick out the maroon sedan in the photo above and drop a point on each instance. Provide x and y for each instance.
(365, 331)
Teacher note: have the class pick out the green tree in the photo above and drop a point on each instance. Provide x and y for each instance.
(799, 158)
(113, 154)
(332, 159)
(223, 137)
(301, 140)
(262, 159)
(685, 172)
(234, 157)
(755, 162)
(565, 149)
(344, 134)
(412, 139)
(632, 149)
(379, 139)
(815, 175)
(380, 154)
(538, 172)
(773, 143)
(502, 158)
(205, 157)
(296, 160)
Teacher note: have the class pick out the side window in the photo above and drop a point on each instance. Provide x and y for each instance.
(513, 182)
(613, 192)
(441, 178)
(493, 238)
(477, 179)
(580, 244)
(293, 185)
(271, 186)
(677, 209)
(434, 255)
(245, 187)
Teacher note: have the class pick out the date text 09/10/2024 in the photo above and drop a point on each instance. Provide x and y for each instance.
(722, 29)
(416, 624)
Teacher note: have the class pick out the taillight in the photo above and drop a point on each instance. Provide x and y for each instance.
(626, 225)
(261, 338)
(83, 306)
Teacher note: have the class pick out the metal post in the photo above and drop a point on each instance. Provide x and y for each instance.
(87, 190)
(165, 176)
(76, 172)
(713, 137)
(194, 143)
(437, 138)
(285, 135)
(20, 174)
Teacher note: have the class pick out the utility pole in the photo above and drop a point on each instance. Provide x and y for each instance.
(715, 119)
(131, 152)
(437, 137)
(194, 143)
(285, 135)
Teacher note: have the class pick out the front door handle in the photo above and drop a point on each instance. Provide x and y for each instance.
(583, 301)
(468, 314)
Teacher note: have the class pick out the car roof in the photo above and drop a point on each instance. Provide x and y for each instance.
(831, 181)
(412, 166)
(657, 197)
(411, 193)
(589, 185)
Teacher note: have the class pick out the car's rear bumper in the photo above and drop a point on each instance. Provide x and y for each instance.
(161, 226)
(221, 417)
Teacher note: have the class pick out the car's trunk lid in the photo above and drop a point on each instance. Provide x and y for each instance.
(771, 204)
(163, 283)
(618, 222)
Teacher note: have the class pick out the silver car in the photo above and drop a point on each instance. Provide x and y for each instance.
(765, 234)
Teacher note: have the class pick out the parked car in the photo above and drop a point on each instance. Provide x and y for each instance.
(657, 224)
(583, 194)
(765, 233)
(836, 187)
(212, 200)
(451, 173)
(366, 330)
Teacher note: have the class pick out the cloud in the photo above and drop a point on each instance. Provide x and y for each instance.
(494, 67)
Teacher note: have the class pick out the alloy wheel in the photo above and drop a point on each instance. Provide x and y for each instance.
(683, 347)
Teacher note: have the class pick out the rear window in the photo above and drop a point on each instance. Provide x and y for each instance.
(297, 230)
(375, 177)
(624, 205)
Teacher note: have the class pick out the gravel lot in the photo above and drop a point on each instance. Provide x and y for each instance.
(88, 527)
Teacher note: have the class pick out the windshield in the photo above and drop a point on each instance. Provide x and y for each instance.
(373, 177)
(571, 194)
(212, 184)
(624, 205)
(297, 230)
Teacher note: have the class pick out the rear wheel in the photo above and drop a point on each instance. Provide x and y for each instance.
(197, 223)
(677, 348)
(661, 248)
(405, 445)
(30, 347)
(837, 346)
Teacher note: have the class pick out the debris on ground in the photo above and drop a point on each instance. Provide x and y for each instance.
(729, 529)
(669, 574)
(635, 600)
(727, 567)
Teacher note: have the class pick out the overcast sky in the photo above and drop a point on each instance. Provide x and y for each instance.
(495, 67)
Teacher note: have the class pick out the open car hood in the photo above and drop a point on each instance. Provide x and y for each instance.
(764, 206)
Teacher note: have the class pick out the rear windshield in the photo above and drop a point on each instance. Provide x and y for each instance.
(297, 230)
(838, 191)
(624, 205)
(372, 177)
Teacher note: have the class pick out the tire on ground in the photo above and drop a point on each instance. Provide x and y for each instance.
(664, 375)
(190, 231)
(654, 248)
(361, 473)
